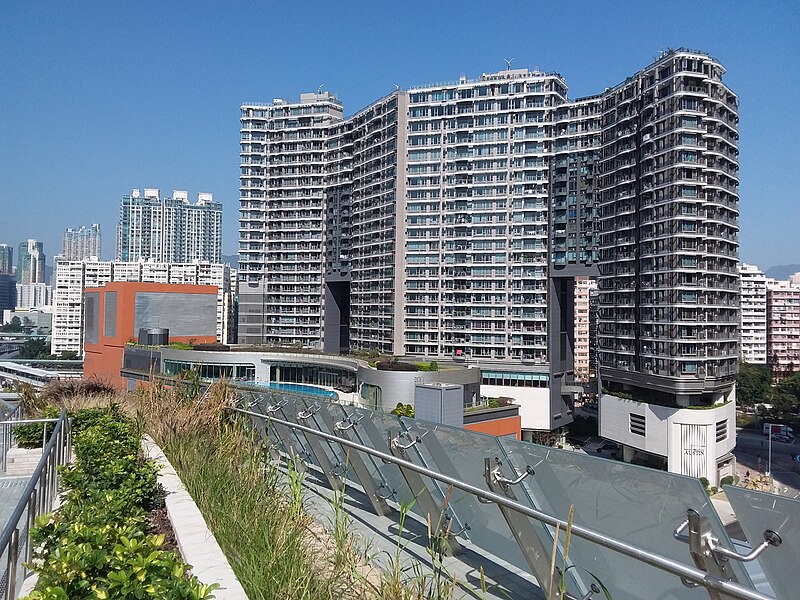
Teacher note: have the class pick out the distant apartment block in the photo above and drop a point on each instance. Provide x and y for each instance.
(34, 295)
(450, 221)
(753, 315)
(78, 244)
(30, 262)
(783, 328)
(8, 292)
(6, 259)
(583, 290)
(169, 229)
(72, 277)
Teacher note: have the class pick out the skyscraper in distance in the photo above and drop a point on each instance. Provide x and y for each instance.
(6, 259)
(30, 262)
(169, 230)
(85, 242)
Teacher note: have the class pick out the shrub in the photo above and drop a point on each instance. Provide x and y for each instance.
(30, 435)
(96, 545)
(727, 480)
(393, 365)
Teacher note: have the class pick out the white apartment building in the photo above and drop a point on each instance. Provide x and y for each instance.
(783, 328)
(753, 315)
(72, 277)
(282, 226)
(169, 229)
(33, 295)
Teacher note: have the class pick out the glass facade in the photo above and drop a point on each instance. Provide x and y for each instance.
(244, 372)
(327, 376)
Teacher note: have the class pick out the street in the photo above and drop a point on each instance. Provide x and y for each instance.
(786, 472)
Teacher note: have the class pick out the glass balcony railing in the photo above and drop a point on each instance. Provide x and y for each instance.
(643, 533)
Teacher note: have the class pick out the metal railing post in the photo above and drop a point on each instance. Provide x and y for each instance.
(356, 461)
(11, 578)
(422, 495)
(32, 514)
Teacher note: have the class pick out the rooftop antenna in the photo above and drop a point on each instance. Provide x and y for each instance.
(319, 89)
(396, 86)
(508, 63)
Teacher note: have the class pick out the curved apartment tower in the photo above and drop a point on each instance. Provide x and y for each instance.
(669, 285)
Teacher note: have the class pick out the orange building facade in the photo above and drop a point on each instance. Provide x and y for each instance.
(507, 426)
(114, 314)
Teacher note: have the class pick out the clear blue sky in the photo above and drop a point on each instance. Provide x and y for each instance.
(97, 98)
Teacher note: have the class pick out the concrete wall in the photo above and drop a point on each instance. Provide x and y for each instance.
(685, 437)
(534, 403)
(399, 386)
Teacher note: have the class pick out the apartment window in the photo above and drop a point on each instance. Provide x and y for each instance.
(722, 430)
(637, 424)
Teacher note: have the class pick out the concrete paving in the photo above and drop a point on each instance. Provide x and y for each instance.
(11, 489)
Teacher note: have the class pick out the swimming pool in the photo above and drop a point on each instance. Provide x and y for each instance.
(297, 388)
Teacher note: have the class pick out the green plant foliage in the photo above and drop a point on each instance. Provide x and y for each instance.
(728, 480)
(96, 545)
(752, 384)
(403, 410)
(35, 348)
(31, 435)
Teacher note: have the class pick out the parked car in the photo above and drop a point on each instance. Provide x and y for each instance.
(603, 448)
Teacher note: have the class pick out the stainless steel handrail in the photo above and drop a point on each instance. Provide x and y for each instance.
(37, 498)
(685, 572)
(6, 433)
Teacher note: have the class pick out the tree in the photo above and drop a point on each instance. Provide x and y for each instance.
(35, 348)
(752, 384)
(15, 326)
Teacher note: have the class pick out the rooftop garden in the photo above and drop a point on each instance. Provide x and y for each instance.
(99, 544)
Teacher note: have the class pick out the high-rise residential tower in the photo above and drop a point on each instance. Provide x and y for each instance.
(172, 230)
(669, 177)
(450, 222)
(753, 315)
(6, 259)
(282, 233)
(30, 262)
(783, 328)
(81, 243)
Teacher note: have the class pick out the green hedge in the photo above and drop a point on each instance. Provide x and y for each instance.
(97, 545)
(31, 435)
